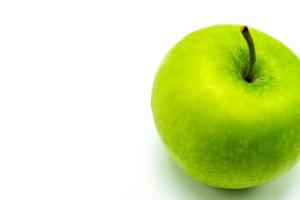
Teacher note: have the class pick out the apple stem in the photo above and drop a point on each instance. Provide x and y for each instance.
(247, 72)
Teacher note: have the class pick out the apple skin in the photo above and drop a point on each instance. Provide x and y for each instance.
(219, 128)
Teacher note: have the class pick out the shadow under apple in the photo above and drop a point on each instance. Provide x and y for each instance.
(178, 185)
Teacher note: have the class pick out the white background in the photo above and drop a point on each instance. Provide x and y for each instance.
(75, 86)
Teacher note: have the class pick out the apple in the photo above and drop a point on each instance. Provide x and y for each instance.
(226, 104)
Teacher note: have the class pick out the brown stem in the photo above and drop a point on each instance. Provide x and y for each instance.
(247, 72)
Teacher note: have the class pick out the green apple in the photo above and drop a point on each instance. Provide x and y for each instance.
(226, 104)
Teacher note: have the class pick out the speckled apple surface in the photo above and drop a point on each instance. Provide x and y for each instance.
(219, 128)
